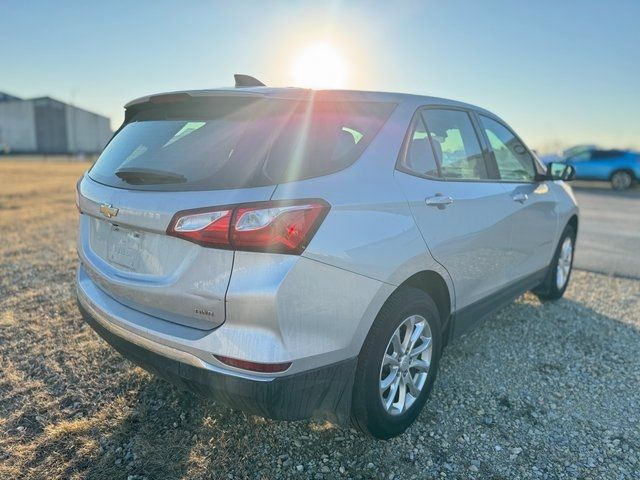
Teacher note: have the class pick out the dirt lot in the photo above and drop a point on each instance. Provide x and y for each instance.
(540, 391)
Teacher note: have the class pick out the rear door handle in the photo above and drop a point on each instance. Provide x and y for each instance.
(520, 197)
(439, 201)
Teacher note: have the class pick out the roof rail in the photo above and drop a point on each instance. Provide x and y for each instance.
(247, 81)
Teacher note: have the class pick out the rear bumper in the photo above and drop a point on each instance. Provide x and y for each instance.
(323, 393)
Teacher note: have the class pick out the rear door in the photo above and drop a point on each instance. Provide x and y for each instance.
(459, 210)
(532, 217)
(601, 164)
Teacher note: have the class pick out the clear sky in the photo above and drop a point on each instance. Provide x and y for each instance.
(560, 72)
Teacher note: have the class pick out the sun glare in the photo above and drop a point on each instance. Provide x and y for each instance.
(320, 66)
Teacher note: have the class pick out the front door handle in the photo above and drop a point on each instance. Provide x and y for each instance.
(439, 201)
(520, 197)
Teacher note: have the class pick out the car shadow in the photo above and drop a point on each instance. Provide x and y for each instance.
(532, 370)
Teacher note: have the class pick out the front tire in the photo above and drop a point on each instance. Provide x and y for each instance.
(397, 365)
(559, 273)
(621, 180)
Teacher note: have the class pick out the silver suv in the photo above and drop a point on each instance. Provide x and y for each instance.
(298, 253)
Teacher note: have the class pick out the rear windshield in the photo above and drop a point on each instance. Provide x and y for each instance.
(236, 142)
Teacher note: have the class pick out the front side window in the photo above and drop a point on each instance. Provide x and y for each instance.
(514, 161)
(581, 157)
(456, 144)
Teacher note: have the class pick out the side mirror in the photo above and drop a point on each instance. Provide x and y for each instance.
(560, 171)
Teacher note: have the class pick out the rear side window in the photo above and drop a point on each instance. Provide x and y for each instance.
(513, 160)
(237, 142)
(456, 144)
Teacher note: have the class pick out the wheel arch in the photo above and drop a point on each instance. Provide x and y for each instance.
(434, 285)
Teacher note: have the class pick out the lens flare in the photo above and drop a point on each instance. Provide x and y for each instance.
(320, 66)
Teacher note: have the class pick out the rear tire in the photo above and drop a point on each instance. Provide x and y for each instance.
(379, 410)
(621, 180)
(559, 273)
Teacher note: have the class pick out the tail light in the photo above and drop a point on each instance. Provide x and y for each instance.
(210, 228)
(78, 194)
(284, 227)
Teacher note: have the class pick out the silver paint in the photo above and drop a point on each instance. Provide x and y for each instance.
(316, 308)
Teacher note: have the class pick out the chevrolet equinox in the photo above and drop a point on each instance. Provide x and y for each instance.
(297, 253)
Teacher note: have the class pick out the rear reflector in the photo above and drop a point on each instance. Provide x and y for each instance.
(253, 366)
(283, 227)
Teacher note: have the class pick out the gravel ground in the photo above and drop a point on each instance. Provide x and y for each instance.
(538, 391)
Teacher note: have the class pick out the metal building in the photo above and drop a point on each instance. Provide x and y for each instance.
(47, 126)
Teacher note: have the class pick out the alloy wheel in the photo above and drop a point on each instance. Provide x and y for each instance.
(621, 180)
(564, 263)
(405, 365)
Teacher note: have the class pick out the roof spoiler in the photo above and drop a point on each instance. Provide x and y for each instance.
(247, 81)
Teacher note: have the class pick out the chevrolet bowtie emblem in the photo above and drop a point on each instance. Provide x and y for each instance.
(108, 210)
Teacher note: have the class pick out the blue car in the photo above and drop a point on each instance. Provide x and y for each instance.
(620, 167)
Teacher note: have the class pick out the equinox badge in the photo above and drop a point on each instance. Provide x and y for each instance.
(108, 210)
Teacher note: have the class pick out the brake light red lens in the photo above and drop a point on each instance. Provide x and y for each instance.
(253, 366)
(266, 226)
(283, 228)
(210, 228)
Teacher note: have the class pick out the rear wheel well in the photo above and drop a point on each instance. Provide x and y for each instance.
(433, 285)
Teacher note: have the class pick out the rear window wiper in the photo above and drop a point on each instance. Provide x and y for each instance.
(149, 176)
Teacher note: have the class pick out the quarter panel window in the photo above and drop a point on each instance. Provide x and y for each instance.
(513, 160)
(456, 144)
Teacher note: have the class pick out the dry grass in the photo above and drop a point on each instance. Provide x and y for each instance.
(65, 397)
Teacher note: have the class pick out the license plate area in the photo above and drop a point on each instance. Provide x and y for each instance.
(125, 247)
